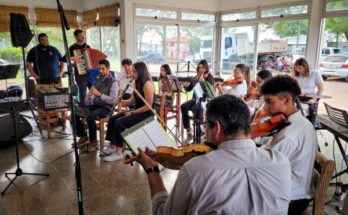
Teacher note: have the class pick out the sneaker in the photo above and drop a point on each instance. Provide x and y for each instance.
(107, 151)
(113, 157)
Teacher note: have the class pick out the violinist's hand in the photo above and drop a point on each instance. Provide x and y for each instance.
(184, 84)
(145, 160)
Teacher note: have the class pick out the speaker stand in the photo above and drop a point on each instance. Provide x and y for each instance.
(19, 171)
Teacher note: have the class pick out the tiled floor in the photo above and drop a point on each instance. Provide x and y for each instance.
(108, 188)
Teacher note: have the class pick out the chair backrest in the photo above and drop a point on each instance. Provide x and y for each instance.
(337, 115)
(321, 179)
(159, 103)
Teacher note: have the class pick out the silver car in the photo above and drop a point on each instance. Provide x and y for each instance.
(334, 65)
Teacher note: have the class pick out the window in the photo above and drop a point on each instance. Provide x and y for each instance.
(284, 11)
(159, 13)
(337, 6)
(198, 16)
(238, 16)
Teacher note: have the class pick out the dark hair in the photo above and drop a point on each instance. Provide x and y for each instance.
(143, 75)
(105, 62)
(41, 35)
(245, 70)
(126, 61)
(77, 32)
(167, 69)
(280, 85)
(232, 113)
(205, 64)
(264, 74)
(302, 62)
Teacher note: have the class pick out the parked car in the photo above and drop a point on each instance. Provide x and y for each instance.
(344, 51)
(334, 65)
(152, 58)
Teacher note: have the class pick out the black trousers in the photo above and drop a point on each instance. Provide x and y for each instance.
(187, 106)
(118, 123)
(49, 80)
(94, 113)
(312, 112)
(296, 207)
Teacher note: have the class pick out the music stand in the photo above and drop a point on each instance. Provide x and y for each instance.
(174, 83)
(6, 72)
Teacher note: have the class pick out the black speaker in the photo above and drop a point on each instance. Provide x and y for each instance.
(7, 131)
(21, 34)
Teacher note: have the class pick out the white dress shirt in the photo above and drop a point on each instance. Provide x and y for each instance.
(236, 90)
(299, 143)
(123, 81)
(237, 178)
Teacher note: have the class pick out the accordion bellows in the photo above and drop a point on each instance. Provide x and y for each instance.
(89, 59)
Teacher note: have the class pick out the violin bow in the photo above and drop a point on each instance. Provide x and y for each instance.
(154, 112)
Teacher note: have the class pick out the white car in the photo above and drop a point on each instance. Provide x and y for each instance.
(334, 65)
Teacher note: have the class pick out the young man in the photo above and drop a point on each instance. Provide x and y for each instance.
(81, 80)
(236, 178)
(44, 62)
(101, 98)
(298, 141)
(124, 79)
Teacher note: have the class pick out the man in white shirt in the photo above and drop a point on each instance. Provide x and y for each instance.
(298, 141)
(124, 79)
(236, 178)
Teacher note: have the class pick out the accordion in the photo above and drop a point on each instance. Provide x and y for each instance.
(89, 59)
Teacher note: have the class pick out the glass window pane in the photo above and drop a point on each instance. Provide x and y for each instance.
(200, 45)
(198, 16)
(155, 12)
(55, 37)
(239, 16)
(336, 6)
(292, 10)
(150, 45)
(111, 46)
(237, 46)
(280, 44)
(93, 38)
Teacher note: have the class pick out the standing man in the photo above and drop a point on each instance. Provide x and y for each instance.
(125, 79)
(236, 178)
(102, 98)
(44, 62)
(81, 80)
(298, 141)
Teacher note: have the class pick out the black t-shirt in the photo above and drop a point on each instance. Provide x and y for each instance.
(46, 62)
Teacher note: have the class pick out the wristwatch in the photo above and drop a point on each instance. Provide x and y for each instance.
(152, 169)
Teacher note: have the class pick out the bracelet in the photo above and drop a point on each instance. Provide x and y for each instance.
(152, 169)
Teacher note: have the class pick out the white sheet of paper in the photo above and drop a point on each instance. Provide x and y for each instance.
(158, 134)
(139, 139)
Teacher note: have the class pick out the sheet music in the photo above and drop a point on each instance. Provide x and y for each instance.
(157, 134)
(198, 90)
(139, 139)
(149, 134)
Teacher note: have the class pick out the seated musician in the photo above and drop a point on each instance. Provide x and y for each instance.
(253, 99)
(164, 84)
(122, 121)
(298, 141)
(240, 73)
(124, 78)
(101, 100)
(203, 74)
(236, 178)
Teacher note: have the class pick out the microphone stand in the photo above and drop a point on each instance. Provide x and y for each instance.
(73, 91)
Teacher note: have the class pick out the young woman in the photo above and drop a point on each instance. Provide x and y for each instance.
(203, 74)
(164, 85)
(310, 82)
(122, 121)
(240, 73)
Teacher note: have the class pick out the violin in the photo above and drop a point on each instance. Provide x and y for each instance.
(233, 82)
(268, 127)
(172, 158)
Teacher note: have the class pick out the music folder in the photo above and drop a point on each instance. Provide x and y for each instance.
(147, 133)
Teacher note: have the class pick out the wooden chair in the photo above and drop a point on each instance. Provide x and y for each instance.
(159, 102)
(321, 179)
(101, 126)
(173, 112)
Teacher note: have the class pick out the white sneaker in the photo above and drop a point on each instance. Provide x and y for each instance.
(108, 151)
(113, 157)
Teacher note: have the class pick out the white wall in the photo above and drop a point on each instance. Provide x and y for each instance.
(67, 4)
